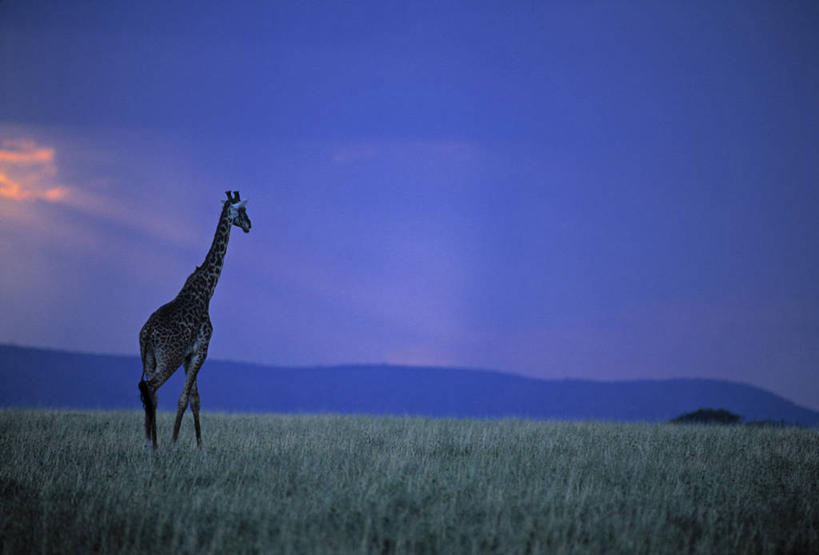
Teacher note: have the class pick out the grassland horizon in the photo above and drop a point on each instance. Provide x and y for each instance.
(74, 481)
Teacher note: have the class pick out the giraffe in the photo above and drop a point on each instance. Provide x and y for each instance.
(179, 332)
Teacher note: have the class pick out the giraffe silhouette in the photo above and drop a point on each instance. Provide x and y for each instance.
(179, 332)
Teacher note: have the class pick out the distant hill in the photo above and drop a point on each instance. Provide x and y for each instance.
(44, 378)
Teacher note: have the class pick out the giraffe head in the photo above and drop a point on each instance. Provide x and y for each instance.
(236, 211)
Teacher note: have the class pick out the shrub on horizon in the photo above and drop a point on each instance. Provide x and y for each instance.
(708, 416)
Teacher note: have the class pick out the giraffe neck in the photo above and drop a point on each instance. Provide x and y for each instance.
(215, 258)
(202, 282)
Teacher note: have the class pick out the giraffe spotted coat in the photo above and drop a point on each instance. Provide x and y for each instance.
(178, 333)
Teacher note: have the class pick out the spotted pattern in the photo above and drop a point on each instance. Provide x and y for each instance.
(178, 333)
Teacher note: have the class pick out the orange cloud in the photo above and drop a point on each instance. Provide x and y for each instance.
(55, 193)
(27, 171)
(15, 191)
(25, 152)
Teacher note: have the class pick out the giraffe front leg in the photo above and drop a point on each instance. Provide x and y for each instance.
(195, 404)
(192, 365)
(180, 411)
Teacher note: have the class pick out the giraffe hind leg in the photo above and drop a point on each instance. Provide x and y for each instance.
(195, 404)
(149, 402)
(145, 397)
(147, 389)
(153, 422)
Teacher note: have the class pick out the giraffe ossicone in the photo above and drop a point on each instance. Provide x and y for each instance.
(178, 333)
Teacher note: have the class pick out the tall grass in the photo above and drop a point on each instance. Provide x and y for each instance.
(79, 482)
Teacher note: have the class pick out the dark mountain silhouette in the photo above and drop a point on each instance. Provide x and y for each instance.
(44, 378)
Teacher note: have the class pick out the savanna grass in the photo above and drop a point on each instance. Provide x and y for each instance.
(78, 482)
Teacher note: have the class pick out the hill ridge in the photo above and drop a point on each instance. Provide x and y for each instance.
(32, 376)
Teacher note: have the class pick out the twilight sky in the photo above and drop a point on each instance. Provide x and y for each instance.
(606, 190)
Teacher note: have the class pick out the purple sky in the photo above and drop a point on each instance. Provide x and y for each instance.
(605, 190)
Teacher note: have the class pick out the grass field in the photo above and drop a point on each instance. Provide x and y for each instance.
(74, 482)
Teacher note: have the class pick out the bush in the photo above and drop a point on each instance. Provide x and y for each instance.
(708, 416)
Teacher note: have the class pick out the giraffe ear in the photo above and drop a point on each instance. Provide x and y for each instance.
(242, 204)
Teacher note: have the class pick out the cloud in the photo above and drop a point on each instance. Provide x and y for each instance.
(17, 191)
(33, 175)
(27, 172)
(23, 151)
